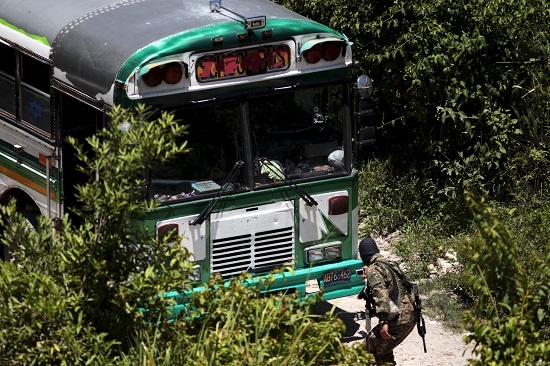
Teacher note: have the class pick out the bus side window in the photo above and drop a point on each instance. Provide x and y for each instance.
(35, 93)
(7, 79)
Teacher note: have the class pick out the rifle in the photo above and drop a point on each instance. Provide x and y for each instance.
(370, 313)
(420, 324)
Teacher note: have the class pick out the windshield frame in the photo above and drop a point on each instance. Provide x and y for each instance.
(244, 130)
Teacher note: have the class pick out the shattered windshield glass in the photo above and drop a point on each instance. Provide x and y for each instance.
(214, 140)
(293, 135)
(297, 135)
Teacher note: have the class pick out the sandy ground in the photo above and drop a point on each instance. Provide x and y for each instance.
(444, 348)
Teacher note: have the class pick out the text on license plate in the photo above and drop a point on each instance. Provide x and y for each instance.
(336, 276)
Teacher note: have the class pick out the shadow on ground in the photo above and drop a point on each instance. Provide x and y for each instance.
(352, 320)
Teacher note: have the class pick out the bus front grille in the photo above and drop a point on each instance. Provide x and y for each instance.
(254, 252)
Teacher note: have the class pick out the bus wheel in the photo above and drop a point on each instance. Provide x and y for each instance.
(31, 217)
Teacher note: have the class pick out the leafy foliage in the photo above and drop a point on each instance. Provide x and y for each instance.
(388, 199)
(234, 324)
(100, 292)
(43, 324)
(392, 199)
(77, 290)
(511, 307)
(461, 88)
(461, 92)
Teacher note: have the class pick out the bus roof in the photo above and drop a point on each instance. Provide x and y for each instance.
(93, 43)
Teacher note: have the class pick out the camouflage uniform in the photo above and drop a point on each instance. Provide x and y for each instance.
(393, 304)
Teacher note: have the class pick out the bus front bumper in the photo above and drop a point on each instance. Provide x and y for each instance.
(334, 280)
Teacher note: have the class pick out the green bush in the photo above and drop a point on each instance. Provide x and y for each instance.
(234, 324)
(511, 307)
(389, 199)
(96, 293)
(529, 219)
(43, 324)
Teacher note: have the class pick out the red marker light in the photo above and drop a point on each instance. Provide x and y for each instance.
(167, 230)
(314, 54)
(153, 77)
(331, 50)
(338, 205)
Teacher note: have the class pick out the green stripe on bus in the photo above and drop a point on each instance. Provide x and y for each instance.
(40, 39)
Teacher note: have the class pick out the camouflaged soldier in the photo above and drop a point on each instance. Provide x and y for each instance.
(392, 302)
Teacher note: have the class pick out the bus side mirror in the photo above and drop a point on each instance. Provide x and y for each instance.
(364, 86)
(215, 5)
(364, 109)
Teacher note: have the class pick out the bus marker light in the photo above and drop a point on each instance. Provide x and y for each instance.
(217, 40)
(314, 54)
(242, 36)
(331, 50)
(328, 49)
(153, 77)
(267, 33)
(172, 73)
(338, 205)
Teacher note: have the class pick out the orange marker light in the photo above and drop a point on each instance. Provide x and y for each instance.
(172, 73)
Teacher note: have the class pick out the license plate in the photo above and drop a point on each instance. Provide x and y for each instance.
(336, 276)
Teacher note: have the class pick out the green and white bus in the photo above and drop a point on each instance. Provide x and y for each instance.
(267, 96)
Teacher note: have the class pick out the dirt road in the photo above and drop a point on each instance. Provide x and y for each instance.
(444, 348)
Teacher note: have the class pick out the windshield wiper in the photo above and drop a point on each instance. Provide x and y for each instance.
(208, 209)
(310, 201)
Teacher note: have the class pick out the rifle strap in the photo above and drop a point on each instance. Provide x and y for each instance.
(394, 295)
(395, 270)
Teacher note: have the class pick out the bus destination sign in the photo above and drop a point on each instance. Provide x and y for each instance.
(241, 63)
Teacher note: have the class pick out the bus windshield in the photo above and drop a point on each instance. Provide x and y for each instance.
(292, 135)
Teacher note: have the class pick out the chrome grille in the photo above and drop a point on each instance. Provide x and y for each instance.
(256, 252)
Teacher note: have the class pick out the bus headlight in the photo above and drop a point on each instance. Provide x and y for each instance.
(333, 252)
(315, 255)
(323, 253)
